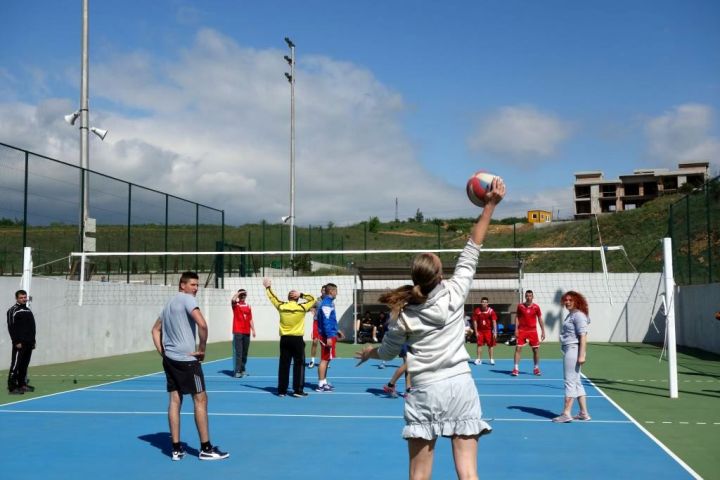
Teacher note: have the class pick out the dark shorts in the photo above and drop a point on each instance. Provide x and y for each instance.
(184, 377)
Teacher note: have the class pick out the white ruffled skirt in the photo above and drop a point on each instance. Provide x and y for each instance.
(444, 409)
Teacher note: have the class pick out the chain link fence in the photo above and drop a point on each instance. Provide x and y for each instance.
(694, 226)
(42, 208)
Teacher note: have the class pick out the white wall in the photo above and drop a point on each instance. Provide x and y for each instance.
(117, 318)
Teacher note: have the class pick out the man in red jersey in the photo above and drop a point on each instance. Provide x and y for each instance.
(242, 327)
(485, 325)
(526, 320)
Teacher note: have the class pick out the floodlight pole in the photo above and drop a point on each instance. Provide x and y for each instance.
(291, 79)
(84, 125)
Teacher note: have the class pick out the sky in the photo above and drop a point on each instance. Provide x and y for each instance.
(399, 100)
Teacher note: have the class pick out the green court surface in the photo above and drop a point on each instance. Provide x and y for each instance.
(630, 374)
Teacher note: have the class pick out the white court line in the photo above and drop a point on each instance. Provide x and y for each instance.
(646, 432)
(322, 394)
(88, 387)
(285, 415)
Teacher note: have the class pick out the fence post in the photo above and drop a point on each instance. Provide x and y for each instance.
(197, 234)
(689, 242)
(167, 208)
(127, 261)
(709, 231)
(592, 254)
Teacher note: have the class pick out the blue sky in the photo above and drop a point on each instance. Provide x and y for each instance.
(394, 99)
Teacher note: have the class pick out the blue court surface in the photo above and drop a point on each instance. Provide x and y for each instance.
(119, 430)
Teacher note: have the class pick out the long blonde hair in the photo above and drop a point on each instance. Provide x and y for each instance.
(426, 273)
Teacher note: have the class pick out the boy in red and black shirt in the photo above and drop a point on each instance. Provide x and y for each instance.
(485, 324)
(242, 328)
(526, 321)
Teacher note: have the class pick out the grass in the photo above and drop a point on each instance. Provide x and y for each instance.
(630, 374)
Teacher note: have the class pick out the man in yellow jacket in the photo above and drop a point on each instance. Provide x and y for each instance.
(292, 345)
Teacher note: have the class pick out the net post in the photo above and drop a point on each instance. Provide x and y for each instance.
(82, 279)
(670, 312)
(25, 280)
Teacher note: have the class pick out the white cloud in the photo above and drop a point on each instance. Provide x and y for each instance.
(519, 133)
(683, 135)
(212, 125)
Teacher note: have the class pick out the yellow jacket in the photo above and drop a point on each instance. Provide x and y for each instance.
(292, 313)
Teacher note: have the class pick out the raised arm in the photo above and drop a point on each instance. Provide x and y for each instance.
(496, 194)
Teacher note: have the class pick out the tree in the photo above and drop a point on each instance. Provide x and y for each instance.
(419, 216)
(373, 224)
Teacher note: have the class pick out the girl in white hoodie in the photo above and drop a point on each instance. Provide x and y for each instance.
(429, 316)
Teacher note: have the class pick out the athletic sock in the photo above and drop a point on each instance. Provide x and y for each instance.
(176, 446)
(312, 359)
(205, 446)
(322, 382)
(517, 366)
(391, 385)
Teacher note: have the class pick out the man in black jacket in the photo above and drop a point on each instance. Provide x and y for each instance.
(21, 325)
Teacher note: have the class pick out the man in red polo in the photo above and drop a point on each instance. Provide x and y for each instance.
(242, 328)
(526, 321)
(485, 325)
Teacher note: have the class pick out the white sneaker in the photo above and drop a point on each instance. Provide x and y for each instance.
(492, 362)
(477, 361)
(213, 454)
(311, 364)
(382, 365)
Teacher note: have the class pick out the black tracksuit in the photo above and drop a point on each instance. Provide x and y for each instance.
(21, 325)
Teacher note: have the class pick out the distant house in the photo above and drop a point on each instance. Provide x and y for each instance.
(594, 194)
(539, 216)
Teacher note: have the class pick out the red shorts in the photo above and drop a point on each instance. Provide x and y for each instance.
(315, 334)
(485, 337)
(327, 351)
(528, 336)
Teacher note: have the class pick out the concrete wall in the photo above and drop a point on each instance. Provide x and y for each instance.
(695, 317)
(116, 318)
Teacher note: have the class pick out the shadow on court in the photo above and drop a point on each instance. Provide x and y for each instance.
(161, 441)
(538, 412)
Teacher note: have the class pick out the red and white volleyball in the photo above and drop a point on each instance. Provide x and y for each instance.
(478, 187)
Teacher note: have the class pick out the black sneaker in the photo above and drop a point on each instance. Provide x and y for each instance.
(178, 454)
(17, 391)
(299, 394)
(213, 454)
(27, 388)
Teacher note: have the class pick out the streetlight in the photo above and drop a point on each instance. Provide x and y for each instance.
(291, 79)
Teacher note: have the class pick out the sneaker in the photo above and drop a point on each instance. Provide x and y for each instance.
(392, 391)
(17, 391)
(375, 340)
(299, 394)
(325, 388)
(492, 362)
(238, 375)
(382, 365)
(213, 454)
(515, 372)
(178, 454)
(536, 371)
(281, 394)
(562, 419)
(477, 361)
(311, 364)
(583, 417)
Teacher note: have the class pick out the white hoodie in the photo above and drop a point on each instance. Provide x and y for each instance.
(435, 330)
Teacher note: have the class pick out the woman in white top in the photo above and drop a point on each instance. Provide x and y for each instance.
(573, 339)
(428, 316)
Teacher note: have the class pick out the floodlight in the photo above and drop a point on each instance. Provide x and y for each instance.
(288, 59)
(285, 218)
(289, 42)
(72, 117)
(99, 132)
(289, 77)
